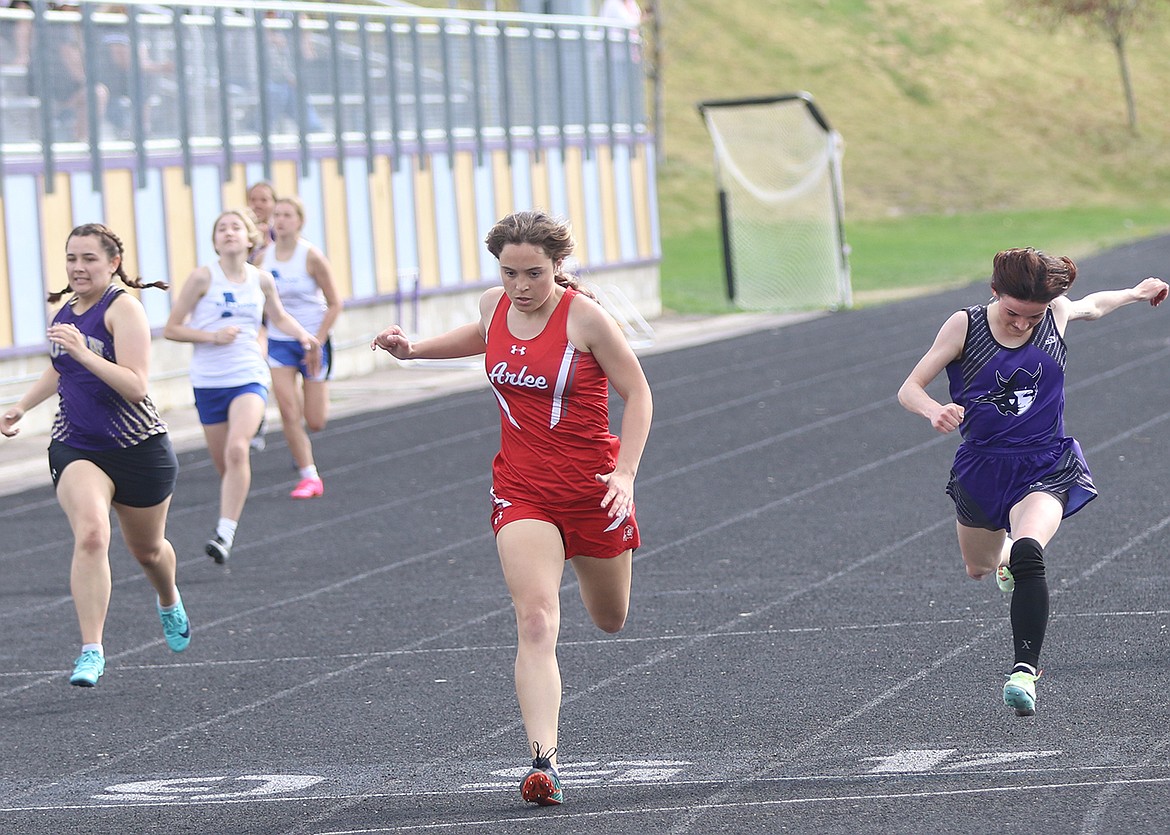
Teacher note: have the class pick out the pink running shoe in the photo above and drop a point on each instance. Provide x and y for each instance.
(308, 488)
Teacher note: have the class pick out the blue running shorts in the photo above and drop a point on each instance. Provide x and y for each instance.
(284, 353)
(213, 404)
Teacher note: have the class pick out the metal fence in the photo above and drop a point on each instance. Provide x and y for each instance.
(86, 81)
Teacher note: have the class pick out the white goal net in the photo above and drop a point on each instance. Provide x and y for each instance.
(778, 169)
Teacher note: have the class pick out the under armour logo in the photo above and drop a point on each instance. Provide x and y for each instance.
(1025, 644)
(519, 349)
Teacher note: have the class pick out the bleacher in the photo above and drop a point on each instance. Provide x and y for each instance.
(20, 113)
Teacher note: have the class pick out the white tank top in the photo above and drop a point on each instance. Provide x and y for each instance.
(299, 292)
(227, 303)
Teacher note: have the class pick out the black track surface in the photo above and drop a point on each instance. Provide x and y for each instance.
(804, 652)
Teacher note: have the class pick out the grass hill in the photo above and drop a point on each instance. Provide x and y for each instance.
(968, 127)
(944, 105)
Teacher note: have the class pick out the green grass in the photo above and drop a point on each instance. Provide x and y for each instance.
(921, 253)
(692, 273)
(968, 128)
(929, 251)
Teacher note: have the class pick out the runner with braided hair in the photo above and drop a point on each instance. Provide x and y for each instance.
(109, 448)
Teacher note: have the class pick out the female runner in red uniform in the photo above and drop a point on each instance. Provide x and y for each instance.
(562, 484)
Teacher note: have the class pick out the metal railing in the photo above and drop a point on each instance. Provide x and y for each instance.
(257, 76)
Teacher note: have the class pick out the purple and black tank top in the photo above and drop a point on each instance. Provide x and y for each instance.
(92, 415)
(1012, 397)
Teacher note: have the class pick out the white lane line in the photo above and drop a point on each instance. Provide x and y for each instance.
(587, 643)
(540, 821)
(597, 786)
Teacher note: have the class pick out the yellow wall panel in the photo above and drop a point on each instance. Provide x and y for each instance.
(641, 190)
(285, 176)
(424, 212)
(469, 243)
(611, 235)
(502, 184)
(180, 215)
(382, 215)
(235, 191)
(56, 224)
(575, 192)
(118, 187)
(336, 243)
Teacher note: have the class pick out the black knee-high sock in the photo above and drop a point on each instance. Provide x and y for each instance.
(1029, 600)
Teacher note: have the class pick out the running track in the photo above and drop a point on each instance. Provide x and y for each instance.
(804, 653)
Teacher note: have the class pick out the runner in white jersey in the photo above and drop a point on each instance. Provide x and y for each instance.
(304, 280)
(220, 309)
(239, 304)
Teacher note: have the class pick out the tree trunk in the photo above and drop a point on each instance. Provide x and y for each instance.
(1126, 83)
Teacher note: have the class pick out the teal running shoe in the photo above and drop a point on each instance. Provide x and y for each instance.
(176, 627)
(88, 668)
(542, 785)
(1004, 579)
(1020, 693)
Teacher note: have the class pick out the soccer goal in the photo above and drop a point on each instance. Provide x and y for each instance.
(778, 170)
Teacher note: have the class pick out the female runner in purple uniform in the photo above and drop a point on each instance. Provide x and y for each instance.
(109, 446)
(1015, 471)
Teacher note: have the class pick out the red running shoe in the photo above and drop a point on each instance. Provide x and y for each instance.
(542, 785)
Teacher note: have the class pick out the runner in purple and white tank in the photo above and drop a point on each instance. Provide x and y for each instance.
(1016, 474)
(109, 448)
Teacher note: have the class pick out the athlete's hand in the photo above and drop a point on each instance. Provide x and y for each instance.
(225, 336)
(947, 418)
(312, 348)
(394, 342)
(1154, 290)
(619, 498)
(68, 337)
(8, 427)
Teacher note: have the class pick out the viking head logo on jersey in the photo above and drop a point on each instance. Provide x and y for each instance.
(1016, 394)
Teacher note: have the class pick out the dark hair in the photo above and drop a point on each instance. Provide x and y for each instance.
(112, 245)
(1031, 276)
(552, 235)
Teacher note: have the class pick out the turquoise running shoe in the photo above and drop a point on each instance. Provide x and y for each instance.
(176, 627)
(1020, 693)
(88, 668)
(1004, 579)
(542, 785)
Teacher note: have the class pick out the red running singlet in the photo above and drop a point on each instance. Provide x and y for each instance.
(554, 413)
